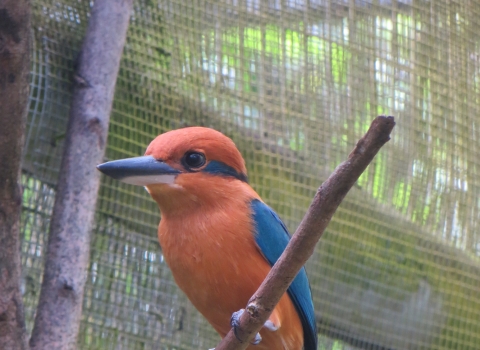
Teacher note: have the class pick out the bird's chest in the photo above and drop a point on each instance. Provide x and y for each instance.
(215, 261)
(206, 252)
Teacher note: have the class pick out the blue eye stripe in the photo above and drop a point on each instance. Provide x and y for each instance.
(222, 169)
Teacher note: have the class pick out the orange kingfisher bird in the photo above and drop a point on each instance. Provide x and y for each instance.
(217, 235)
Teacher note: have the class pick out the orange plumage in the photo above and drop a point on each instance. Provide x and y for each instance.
(207, 231)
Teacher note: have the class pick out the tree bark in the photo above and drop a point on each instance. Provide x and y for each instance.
(59, 310)
(14, 83)
(301, 246)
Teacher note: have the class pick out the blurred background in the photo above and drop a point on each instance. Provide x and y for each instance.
(295, 83)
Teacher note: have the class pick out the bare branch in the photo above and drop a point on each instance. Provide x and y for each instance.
(14, 72)
(301, 247)
(58, 315)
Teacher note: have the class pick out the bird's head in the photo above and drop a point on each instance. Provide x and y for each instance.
(182, 167)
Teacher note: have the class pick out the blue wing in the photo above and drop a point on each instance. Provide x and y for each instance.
(272, 237)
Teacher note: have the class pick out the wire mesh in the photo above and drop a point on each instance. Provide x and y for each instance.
(294, 84)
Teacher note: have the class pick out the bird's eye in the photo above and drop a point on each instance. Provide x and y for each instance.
(194, 159)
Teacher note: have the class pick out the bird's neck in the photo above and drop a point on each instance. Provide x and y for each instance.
(192, 194)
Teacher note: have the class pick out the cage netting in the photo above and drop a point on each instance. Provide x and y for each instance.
(294, 83)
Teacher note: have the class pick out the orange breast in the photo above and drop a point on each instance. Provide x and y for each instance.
(215, 261)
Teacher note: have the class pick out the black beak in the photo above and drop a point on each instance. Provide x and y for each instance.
(141, 171)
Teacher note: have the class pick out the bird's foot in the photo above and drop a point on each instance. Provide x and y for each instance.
(235, 322)
(270, 326)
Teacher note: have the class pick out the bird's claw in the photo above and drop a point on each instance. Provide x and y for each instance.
(235, 319)
(257, 339)
(235, 322)
(270, 326)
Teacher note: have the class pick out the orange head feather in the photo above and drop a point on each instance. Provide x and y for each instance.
(172, 146)
(210, 167)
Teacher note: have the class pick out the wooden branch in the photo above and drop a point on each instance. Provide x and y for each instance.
(301, 246)
(14, 84)
(59, 310)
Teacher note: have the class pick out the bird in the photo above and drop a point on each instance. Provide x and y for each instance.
(217, 235)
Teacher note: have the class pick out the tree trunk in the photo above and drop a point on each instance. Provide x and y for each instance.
(60, 306)
(14, 69)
